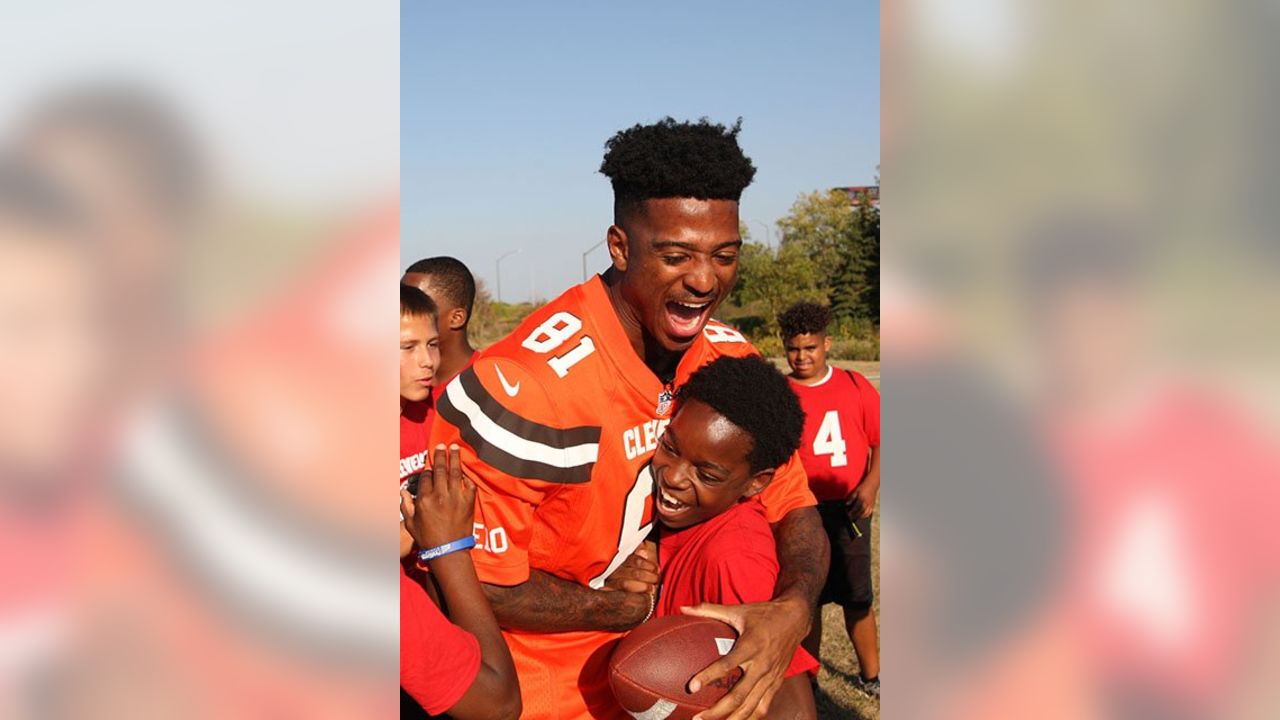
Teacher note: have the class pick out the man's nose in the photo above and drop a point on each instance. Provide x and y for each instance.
(701, 278)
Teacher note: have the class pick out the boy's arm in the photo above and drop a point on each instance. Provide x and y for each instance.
(495, 692)
(441, 513)
(863, 501)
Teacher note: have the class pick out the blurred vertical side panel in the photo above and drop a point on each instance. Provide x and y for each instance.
(199, 221)
(1080, 342)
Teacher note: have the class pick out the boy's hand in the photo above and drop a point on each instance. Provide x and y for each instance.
(638, 573)
(445, 506)
(862, 502)
(768, 635)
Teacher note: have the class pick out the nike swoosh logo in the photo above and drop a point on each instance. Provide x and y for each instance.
(511, 389)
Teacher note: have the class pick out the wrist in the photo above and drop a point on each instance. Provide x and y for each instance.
(637, 608)
(433, 552)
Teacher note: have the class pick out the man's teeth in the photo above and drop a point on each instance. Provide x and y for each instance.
(692, 307)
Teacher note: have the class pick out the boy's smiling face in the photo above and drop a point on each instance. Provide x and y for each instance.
(419, 356)
(701, 466)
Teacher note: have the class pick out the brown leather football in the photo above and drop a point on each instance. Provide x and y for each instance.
(651, 667)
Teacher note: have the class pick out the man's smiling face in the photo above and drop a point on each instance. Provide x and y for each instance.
(679, 262)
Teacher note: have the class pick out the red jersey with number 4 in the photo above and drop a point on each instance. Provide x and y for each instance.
(557, 423)
(841, 425)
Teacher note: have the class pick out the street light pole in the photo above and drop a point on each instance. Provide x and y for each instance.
(497, 270)
(584, 258)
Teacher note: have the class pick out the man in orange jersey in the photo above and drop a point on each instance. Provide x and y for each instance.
(559, 421)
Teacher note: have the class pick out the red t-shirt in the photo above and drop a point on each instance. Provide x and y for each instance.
(438, 660)
(415, 426)
(841, 425)
(729, 560)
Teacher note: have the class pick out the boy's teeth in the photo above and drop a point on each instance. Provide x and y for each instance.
(669, 501)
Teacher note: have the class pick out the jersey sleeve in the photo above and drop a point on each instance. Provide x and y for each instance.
(438, 660)
(870, 401)
(518, 451)
(788, 491)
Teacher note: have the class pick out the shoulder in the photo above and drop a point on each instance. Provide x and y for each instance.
(554, 338)
(739, 558)
(721, 339)
(741, 537)
(859, 382)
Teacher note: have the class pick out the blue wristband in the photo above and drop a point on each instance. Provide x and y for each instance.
(465, 543)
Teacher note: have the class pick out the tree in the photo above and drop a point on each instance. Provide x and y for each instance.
(775, 279)
(841, 240)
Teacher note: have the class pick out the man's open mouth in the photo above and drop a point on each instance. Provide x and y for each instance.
(686, 319)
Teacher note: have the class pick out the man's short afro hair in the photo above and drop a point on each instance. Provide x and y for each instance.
(750, 393)
(670, 159)
(804, 319)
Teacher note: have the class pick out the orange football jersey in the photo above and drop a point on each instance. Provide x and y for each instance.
(558, 423)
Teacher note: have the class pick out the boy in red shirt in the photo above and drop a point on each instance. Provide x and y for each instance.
(736, 422)
(463, 669)
(841, 455)
(452, 287)
(419, 358)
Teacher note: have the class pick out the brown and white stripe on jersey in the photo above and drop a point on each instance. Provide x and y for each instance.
(515, 445)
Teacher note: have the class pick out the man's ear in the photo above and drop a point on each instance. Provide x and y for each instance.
(619, 251)
(457, 319)
(758, 483)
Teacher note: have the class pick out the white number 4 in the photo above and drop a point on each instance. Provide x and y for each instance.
(829, 441)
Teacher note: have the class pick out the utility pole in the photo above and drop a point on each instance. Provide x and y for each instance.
(497, 270)
(584, 258)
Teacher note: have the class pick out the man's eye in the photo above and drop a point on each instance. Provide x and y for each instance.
(673, 259)
(727, 259)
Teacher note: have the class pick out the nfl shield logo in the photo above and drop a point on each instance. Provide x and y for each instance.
(664, 402)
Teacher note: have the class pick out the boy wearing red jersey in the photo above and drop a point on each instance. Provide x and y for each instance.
(841, 455)
(451, 286)
(419, 357)
(735, 424)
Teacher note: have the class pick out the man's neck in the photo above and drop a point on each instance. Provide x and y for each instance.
(659, 360)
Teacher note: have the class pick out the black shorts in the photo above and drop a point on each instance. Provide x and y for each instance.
(849, 577)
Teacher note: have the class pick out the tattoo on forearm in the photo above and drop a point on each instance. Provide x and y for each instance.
(546, 603)
(803, 554)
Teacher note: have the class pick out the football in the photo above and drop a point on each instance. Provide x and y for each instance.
(651, 667)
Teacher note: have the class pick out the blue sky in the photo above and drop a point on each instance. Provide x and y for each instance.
(505, 108)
